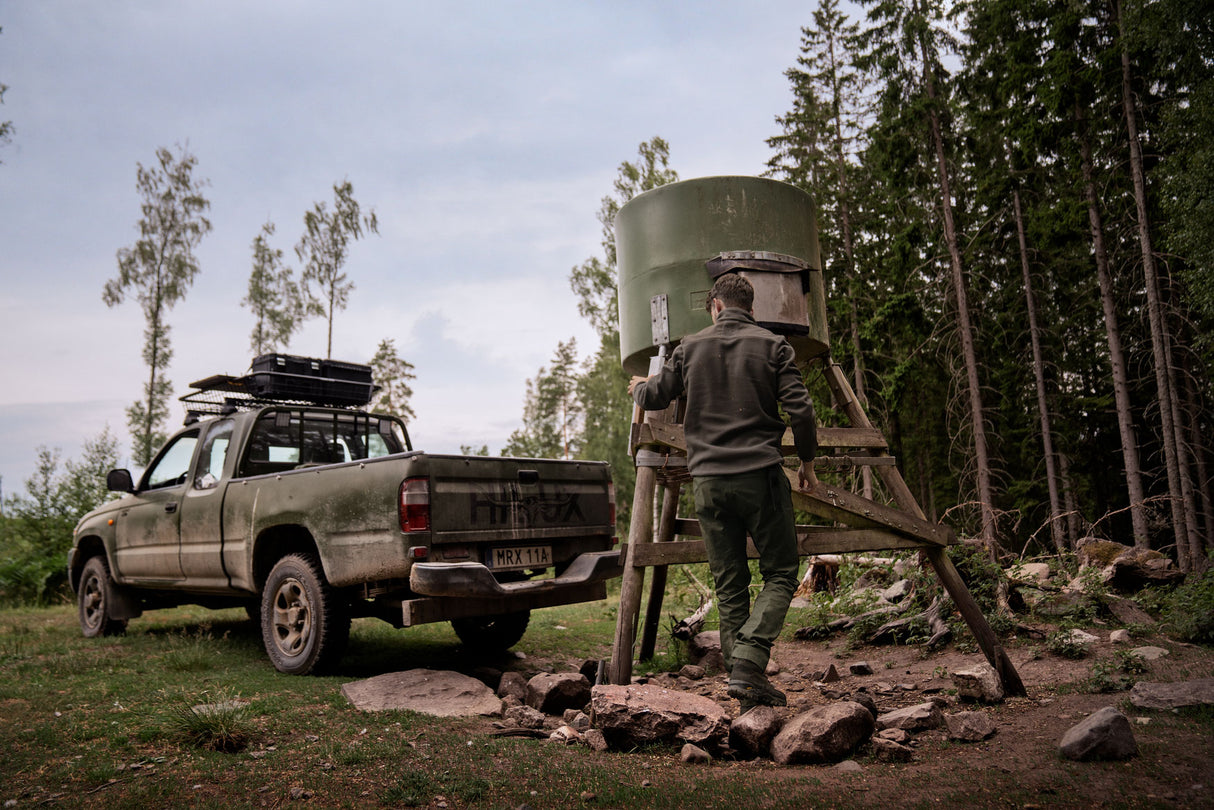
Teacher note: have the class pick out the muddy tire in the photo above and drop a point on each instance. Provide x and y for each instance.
(95, 601)
(492, 634)
(304, 622)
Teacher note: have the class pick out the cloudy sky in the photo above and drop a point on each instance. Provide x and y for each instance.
(483, 134)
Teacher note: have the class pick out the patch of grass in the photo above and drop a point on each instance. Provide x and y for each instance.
(1063, 644)
(222, 725)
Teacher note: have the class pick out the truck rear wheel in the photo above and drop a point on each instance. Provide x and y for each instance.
(95, 601)
(304, 623)
(492, 633)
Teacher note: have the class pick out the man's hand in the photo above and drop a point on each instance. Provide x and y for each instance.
(632, 384)
(806, 477)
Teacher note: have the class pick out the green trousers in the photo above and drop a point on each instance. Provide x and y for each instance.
(730, 507)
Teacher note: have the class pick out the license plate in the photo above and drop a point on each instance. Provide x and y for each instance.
(502, 559)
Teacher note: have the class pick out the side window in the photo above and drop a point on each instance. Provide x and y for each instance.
(173, 465)
(214, 453)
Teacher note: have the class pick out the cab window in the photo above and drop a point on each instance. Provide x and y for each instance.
(172, 466)
(285, 440)
(214, 454)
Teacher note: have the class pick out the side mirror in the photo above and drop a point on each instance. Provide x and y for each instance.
(119, 481)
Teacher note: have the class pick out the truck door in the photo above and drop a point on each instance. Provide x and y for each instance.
(147, 529)
(202, 509)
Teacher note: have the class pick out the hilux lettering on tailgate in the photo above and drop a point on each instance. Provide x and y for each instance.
(505, 506)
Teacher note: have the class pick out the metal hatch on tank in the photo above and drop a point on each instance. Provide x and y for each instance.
(674, 240)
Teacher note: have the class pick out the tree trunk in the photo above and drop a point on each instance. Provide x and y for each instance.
(965, 327)
(1074, 523)
(1165, 382)
(1043, 410)
(1121, 389)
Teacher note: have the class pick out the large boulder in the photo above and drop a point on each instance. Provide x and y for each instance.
(636, 715)
(826, 734)
(1104, 735)
(1168, 696)
(553, 693)
(442, 694)
(969, 726)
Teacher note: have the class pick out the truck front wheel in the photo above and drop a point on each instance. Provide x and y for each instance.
(492, 633)
(304, 622)
(95, 601)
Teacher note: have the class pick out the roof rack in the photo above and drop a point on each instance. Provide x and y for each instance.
(277, 379)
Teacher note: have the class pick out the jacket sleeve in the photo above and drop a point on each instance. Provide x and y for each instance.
(794, 397)
(664, 387)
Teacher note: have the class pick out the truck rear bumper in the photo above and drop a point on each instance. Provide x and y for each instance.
(459, 590)
(474, 580)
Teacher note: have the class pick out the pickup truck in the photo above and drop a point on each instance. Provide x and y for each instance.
(310, 515)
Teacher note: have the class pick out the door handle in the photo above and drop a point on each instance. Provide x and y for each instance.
(170, 507)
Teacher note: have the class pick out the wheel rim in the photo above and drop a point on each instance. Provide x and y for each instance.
(292, 617)
(92, 602)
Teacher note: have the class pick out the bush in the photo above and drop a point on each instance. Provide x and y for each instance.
(1188, 611)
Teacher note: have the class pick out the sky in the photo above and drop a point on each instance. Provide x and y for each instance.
(483, 134)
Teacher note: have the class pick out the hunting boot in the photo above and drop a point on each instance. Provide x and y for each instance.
(749, 684)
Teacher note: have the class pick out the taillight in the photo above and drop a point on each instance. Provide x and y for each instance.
(415, 505)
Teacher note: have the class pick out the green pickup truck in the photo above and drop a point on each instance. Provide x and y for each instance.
(310, 515)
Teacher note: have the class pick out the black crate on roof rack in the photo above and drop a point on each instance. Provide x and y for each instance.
(302, 388)
(288, 364)
(350, 372)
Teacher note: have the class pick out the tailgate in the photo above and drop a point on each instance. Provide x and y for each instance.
(482, 499)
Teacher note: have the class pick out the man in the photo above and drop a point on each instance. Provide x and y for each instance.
(735, 375)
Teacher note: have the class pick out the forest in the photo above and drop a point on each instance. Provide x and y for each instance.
(1017, 240)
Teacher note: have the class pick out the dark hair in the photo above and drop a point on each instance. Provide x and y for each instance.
(733, 291)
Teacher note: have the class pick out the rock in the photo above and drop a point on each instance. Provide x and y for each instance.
(1030, 572)
(1119, 637)
(1127, 611)
(577, 718)
(849, 766)
(1150, 653)
(890, 751)
(752, 733)
(1104, 735)
(1137, 567)
(693, 672)
(512, 684)
(861, 668)
(636, 715)
(1077, 636)
(1061, 605)
(979, 683)
(1167, 696)
(590, 668)
(831, 675)
(1099, 553)
(897, 735)
(525, 717)
(441, 694)
(867, 702)
(705, 651)
(595, 739)
(897, 592)
(826, 734)
(694, 755)
(969, 726)
(920, 717)
(552, 694)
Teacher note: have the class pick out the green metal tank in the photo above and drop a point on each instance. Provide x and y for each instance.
(672, 242)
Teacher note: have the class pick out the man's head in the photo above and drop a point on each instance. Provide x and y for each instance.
(732, 291)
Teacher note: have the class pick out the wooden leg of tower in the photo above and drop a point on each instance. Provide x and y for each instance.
(640, 530)
(657, 585)
(845, 398)
(978, 625)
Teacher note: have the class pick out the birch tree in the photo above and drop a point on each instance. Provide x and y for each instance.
(273, 296)
(159, 269)
(324, 248)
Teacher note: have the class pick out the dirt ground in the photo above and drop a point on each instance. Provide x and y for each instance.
(1019, 766)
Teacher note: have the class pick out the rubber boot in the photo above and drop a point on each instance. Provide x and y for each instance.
(748, 683)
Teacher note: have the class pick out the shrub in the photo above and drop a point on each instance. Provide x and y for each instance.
(1188, 611)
